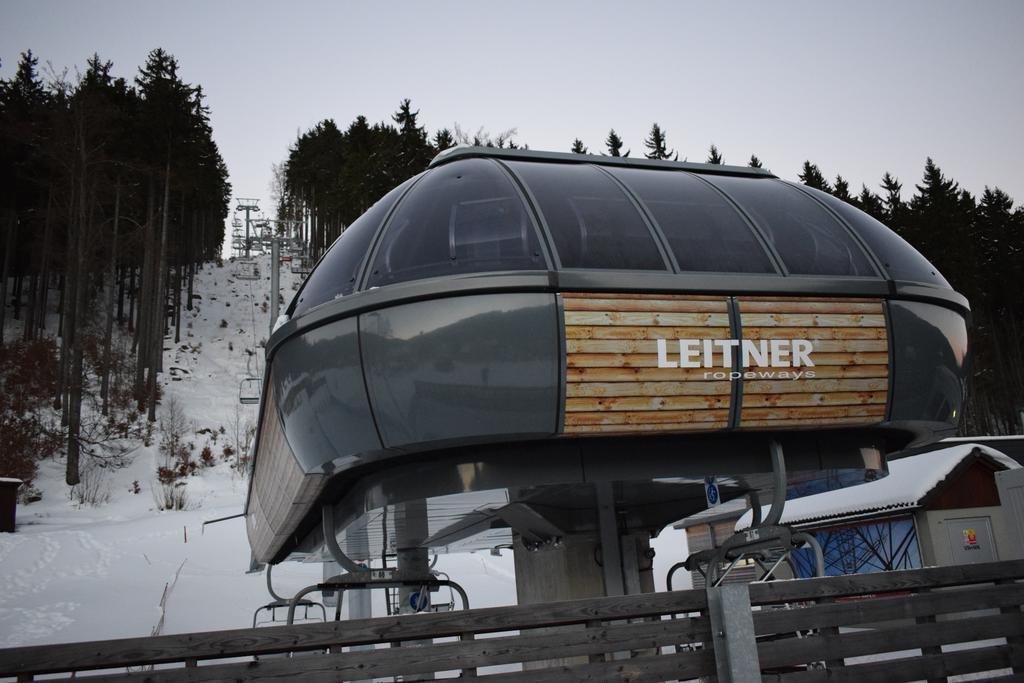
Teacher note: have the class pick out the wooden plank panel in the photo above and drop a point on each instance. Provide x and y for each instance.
(814, 385)
(646, 417)
(579, 389)
(880, 609)
(777, 592)
(642, 346)
(623, 374)
(916, 668)
(650, 345)
(650, 360)
(297, 638)
(385, 663)
(756, 333)
(586, 374)
(798, 306)
(800, 651)
(650, 428)
(668, 305)
(641, 318)
(639, 332)
(645, 403)
(812, 412)
(838, 398)
(810, 422)
(811, 320)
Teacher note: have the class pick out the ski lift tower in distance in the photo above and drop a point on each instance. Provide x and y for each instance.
(248, 206)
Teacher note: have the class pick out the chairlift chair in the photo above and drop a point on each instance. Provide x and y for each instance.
(249, 390)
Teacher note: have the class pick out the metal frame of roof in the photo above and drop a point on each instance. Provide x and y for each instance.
(453, 153)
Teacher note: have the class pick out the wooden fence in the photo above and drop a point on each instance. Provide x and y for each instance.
(895, 626)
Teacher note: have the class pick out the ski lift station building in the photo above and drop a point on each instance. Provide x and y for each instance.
(513, 339)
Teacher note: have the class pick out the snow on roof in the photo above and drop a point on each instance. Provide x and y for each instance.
(910, 479)
(10, 480)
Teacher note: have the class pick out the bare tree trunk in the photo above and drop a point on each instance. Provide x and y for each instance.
(12, 222)
(158, 338)
(85, 204)
(109, 332)
(44, 261)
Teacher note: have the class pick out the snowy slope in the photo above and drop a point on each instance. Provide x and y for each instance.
(74, 573)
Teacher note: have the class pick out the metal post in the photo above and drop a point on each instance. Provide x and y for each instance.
(611, 549)
(732, 632)
(275, 277)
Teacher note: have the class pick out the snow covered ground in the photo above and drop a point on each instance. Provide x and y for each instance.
(73, 573)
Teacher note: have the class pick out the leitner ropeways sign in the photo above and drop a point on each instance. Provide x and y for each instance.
(638, 362)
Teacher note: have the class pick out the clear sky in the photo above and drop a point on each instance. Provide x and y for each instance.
(860, 88)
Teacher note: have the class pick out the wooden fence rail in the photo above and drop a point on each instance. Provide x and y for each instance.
(834, 629)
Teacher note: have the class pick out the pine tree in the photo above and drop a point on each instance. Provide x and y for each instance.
(714, 157)
(443, 139)
(614, 144)
(811, 176)
(657, 147)
(870, 203)
(577, 147)
(755, 162)
(892, 200)
(842, 189)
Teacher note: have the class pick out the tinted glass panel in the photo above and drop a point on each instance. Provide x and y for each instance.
(335, 275)
(705, 232)
(903, 261)
(806, 236)
(593, 223)
(463, 217)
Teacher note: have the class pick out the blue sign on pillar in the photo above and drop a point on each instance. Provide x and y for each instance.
(711, 491)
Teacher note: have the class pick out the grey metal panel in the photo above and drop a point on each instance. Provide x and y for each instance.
(321, 395)
(463, 368)
(929, 360)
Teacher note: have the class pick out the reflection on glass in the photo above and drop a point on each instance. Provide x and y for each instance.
(902, 261)
(335, 275)
(865, 548)
(464, 217)
(703, 229)
(593, 223)
(806, 236)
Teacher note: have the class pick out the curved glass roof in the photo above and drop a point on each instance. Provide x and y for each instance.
(484, 210)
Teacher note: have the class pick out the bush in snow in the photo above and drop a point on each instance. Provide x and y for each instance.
(92, 488)
(29, 430)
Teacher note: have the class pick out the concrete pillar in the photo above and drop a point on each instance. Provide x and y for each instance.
(571, 572)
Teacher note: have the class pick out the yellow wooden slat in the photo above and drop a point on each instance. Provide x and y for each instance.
(643, 318)
(813, 385)
(838, 398)
(637, 403)
(809, 307)
(639, 332)
(645, 428)
(810, 412)
(623, 374)
(755, 333)
(811, 422)
(650, 360)
(811, 320)
(647, 417)
(672, 349)
(598, 389)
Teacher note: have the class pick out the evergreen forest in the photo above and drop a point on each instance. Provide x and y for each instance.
(112, 194)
